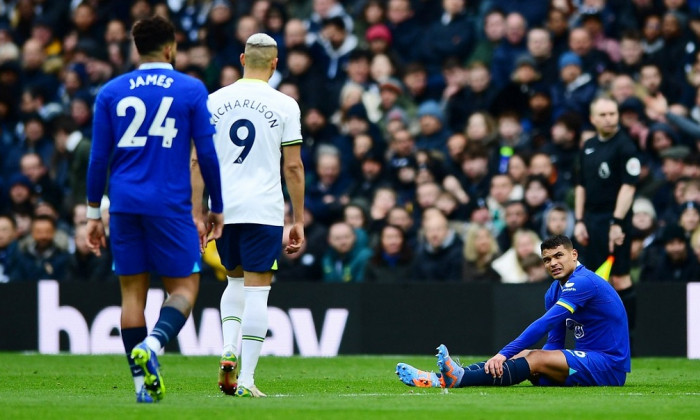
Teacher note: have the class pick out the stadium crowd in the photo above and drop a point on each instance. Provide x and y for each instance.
(441, 137)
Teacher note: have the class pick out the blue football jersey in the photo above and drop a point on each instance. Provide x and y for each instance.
(591, 308)
(143, 124)
(597, 316)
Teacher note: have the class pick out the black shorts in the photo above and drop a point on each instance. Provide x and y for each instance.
(598, 226)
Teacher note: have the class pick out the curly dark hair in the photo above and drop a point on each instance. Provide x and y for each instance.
(151, 33)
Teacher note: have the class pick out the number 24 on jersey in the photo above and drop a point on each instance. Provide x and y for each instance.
(161, 125)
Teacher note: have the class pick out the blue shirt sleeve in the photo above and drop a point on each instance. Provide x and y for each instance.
(101, 149)
(556, 315)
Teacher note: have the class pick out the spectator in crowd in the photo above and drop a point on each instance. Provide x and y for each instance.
(439, 257)
(338, 42)
(500, 192)
(593, 61)
(303, 265)
(516, 216)
(40, 258)
(558, 220)
(690, 217)
(384, 199)
(494, 30)
(509, 266)
(405, 29)
(83, 265)
(433, 134)
(540, 48)
(399, 216)
(538, 199)
(672, 166)
(480, 249)
(452, 36)
(8, 246)
(77, 147)
(478, 95)
(676, 263)
(532, 264)
(34, 140)
(355, 215)
(631, 54)
(511, 47)
(575, 89)
(392, 261)
(345, 260)
(22, 199)
(326, 197)
(45, 188)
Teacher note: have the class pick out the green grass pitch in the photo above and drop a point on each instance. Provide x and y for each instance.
(349, 387)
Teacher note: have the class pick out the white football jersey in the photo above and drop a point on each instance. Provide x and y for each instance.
(253, 122)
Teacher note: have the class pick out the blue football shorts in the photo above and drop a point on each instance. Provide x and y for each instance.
(254, 247)
(589, 368)
(167, 246)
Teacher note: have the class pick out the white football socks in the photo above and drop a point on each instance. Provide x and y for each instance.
(254, 330)
(232, 304)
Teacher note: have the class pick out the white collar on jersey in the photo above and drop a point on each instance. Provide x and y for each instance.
(150, 66)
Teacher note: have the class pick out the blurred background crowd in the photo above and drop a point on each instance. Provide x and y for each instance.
(440, 136)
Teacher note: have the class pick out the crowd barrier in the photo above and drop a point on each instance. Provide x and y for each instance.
(312, 319)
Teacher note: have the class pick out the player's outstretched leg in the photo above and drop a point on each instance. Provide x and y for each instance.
(419, 378)
(451, 371)
(228, 373)
(147, 359)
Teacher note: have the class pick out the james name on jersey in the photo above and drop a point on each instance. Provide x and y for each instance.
(151, 80)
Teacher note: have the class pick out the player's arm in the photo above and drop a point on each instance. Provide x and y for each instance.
(556, 338)
(293, 169)
(555, 315)
(100, 151)
(197, 195)
(207, 161)
(209, 171)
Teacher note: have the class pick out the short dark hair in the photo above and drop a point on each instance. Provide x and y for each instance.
(555, 241)
(151, 33)
(336, 21)
(44, 217)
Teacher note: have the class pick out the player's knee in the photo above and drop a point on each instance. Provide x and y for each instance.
(181, 302)
(537, 359)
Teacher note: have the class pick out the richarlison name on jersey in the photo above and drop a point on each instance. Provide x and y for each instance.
(151, 80)
(245, 103)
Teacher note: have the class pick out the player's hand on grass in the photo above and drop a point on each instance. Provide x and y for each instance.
(494, 366)
(296, 238)
(96, 236)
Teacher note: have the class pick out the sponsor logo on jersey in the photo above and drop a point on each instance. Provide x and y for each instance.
(604, 170)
